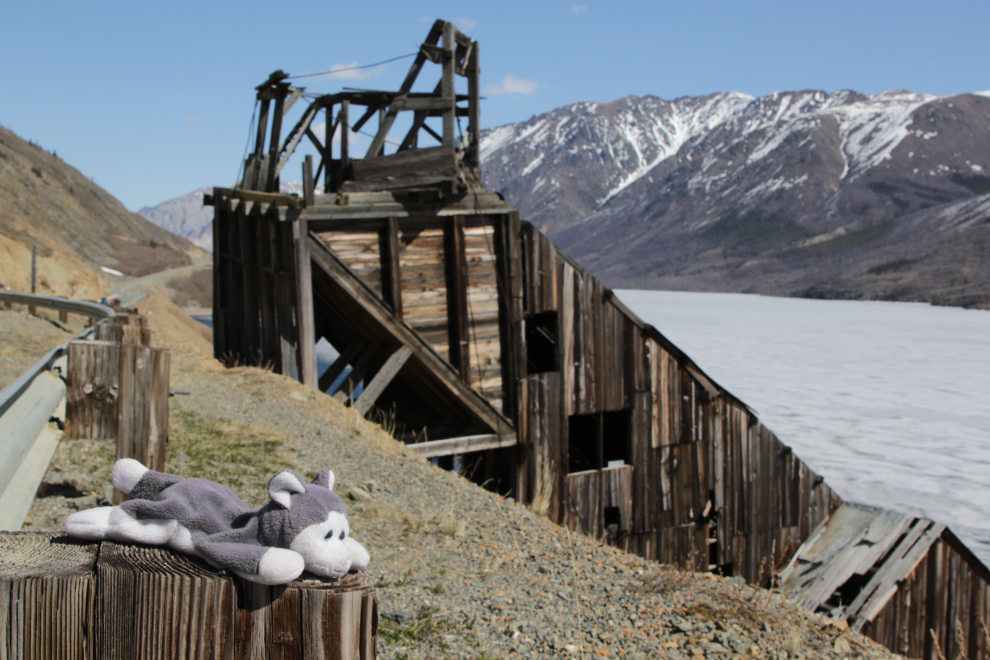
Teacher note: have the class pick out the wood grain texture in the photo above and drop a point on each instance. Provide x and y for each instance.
(62, 598)
(92, 390)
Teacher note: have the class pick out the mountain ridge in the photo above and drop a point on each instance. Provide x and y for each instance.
(728, 192)
(794, 193)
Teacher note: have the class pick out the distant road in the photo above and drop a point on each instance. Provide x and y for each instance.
(130, 298)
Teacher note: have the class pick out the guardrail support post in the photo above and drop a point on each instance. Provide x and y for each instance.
(93, 383)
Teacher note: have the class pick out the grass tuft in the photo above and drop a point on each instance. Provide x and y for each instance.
(243, 458)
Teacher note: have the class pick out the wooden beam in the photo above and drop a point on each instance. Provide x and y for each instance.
(457, 322)
(447, 87)
(259, 141)
(365, 118)
(463, 445)
(391, 275)
(360, 369)
(328, 182)
(295, 135)
(305, 324)
(410, 141)
(381, 380)
(309, 195)
(474, 109)
(275, 141)
(345, 156)
(345, 358)
(403, 334)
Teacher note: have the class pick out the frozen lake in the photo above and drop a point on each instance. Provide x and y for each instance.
(890, 402)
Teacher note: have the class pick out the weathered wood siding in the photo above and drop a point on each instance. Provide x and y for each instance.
(484, 343)
(422, 274)
(360, 251)
(709, 485)
(255, 302)
(946, 592)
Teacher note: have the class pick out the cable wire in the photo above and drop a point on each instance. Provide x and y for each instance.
(351, 68)
(247, 145)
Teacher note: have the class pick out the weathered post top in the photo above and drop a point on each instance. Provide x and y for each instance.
(65, 598)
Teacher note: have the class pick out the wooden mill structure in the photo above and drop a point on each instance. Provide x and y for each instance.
(485, 341)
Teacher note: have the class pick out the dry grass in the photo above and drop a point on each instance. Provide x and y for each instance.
(243, 458)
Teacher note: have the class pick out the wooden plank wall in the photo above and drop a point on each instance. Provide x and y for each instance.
(945, 593)
(360, 251)
(710, 485)
(424, 285)
(255, 303)
(483, 313)
(422, 272)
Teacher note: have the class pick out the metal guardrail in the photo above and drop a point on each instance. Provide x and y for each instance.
(10, 393)
(91, 309)
(26, 405)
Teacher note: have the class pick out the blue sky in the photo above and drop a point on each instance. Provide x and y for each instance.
(153, 100)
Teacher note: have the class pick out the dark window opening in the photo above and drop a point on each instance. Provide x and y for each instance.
(541, 343)
(616, 440)
(596, 440)
(613, 521)
(582, 443)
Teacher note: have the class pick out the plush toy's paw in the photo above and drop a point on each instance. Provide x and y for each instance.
(126, 474)
(152, 531)
(359, 556)
(91, 524)
(277, 566)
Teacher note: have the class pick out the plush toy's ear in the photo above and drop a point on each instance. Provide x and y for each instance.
(325, 478)
(284, 484)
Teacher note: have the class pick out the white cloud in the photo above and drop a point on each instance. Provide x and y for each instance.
(983, 93)
(351, 71)
(579, 9)
(512, 86)
(192, 121)
(465, 23)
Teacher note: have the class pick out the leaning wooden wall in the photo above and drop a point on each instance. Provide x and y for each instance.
(705, 483)
(946, 593)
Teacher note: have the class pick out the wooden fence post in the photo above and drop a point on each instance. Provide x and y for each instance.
(65, 598)
(92, 384)
(142, 409)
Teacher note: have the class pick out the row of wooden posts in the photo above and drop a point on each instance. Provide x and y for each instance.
(117, 386)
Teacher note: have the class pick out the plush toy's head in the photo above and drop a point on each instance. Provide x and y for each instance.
(311, 520)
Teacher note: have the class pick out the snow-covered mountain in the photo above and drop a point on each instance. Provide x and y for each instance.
(794, 193)
(836, 195)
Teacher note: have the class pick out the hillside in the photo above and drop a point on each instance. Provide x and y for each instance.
(76, 225)
(460, 572)
(797, 193)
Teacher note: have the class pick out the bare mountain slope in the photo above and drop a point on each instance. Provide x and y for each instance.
(76, 225)
(795, 193)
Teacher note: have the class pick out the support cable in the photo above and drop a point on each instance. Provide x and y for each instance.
(351, 68)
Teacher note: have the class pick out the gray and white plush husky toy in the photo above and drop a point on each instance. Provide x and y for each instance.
(304, 526)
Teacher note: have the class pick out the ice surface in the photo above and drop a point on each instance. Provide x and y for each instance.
(890, 402)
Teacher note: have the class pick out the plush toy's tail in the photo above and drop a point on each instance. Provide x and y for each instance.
(135, 479)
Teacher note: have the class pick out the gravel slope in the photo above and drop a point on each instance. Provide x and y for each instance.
(460, 572)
